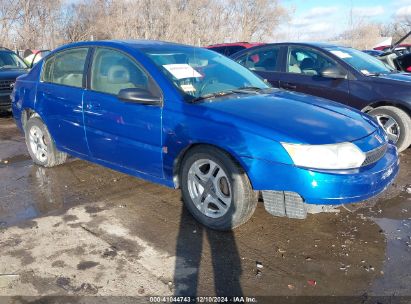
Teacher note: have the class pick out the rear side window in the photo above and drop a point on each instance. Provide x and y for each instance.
(230, 50)
(66, 67)
(261, 60)
(219, 49)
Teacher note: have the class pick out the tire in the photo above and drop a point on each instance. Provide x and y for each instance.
(401, 118)
(230, 185)
(40, 144)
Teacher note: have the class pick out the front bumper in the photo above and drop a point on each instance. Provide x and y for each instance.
(325, 187)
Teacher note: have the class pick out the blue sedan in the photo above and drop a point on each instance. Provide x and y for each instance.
(190, 118)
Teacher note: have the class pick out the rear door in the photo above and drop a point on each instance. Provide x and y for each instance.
(265, 62)
(126, 134)
(60, 98)
(303, 74)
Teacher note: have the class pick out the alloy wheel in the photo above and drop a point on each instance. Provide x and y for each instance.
(209, 188)
(390, 126)
(37, 143)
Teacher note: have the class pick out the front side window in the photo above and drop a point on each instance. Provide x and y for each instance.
(66, 67)
(113, 71)
(307, 61)
(261, 60)
(198, 72)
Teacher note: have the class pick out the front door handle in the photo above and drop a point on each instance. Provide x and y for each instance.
(289, 86)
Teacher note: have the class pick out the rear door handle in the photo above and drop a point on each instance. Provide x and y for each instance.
(289, 86)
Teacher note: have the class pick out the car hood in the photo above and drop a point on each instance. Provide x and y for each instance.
(291, 117)
(8, 74)
(395, 77)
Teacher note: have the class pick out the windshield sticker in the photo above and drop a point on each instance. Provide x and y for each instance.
(181, 71)
(188, 88)
(365, 72)
(341, 54)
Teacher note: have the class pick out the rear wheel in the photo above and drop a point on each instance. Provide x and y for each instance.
(396, 123)
(40, 144)
(216, 189)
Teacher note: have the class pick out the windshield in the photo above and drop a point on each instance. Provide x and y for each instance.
(10, 60)
(200, 73)
(362, 62)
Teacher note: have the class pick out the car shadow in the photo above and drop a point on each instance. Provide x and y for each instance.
(193, 239)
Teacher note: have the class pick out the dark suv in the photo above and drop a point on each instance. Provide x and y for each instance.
(11, 66)
(341, 74)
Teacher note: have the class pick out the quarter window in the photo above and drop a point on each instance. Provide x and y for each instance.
(66, 67)
(262, 60)
(113, 71)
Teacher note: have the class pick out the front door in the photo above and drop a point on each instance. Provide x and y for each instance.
(303, 74)
(126, 134)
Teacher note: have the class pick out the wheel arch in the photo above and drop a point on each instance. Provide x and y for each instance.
(177, 163)
(26, 114)
(382, 103)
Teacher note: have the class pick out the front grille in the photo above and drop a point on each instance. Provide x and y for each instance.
(5, 85)
(374, 155)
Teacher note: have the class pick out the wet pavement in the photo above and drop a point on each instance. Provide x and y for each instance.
(81, 229)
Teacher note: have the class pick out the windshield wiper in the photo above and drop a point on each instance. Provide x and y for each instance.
(248, 90)
(242, 90)
(212, 95)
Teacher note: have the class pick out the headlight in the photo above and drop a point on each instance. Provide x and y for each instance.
(336, 156)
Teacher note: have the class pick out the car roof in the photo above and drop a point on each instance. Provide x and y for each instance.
(136, 44)
(242, 43)
(308, 44)
(314, 44)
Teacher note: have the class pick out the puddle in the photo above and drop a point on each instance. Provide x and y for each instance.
(397, 266)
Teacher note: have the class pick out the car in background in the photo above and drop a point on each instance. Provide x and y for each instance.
(341, 74)
(400, 48)
(11, 66)
(374, 53)
(190, 118)
(228, 49)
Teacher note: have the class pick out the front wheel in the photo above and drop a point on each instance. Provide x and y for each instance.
(396, 124)
(215, 189)
(41, 145)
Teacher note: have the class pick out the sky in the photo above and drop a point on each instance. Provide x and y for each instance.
(322, 19)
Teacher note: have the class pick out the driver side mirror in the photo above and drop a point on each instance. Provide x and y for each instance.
(137, 95)
(334, 73)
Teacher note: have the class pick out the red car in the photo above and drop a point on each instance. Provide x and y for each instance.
(229, 49)
(385, 48)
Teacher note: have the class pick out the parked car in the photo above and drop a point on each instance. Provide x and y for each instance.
(374, 53)
(11, 66)
(228, 49)
(190, 118)
(341, 74)
(400, 47)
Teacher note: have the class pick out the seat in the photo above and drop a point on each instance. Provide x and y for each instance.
(118, 78)
(293, 65)
(307, 67)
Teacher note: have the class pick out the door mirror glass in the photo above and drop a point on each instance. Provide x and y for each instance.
(333, 72)
(138, 95)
